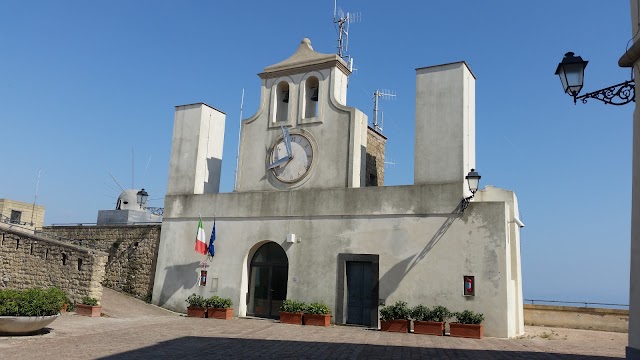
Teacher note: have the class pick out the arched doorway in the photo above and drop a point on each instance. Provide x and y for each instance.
(268, 281)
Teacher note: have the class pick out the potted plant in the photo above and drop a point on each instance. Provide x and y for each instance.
(219, 308)
(468, 325)
(291, 312)
(88, 307)
(317, 314)
(67, 305)
(395, 317)
(430, 322)
(197, 306)
(27, 311)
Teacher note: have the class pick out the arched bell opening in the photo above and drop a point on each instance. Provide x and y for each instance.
(282, 101)
(311, 88)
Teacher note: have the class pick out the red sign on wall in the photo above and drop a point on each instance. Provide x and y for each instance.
(203, 278)
(469, 286)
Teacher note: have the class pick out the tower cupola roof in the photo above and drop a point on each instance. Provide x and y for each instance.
(303, 60)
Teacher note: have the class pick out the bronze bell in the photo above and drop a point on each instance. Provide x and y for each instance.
(314, 96)
(285, 98)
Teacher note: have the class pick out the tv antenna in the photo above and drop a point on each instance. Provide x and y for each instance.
(341, 21)
(389, 162)
(235, 180)
(33, 208)
(380, 94)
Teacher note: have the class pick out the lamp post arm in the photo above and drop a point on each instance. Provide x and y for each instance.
(619, 94)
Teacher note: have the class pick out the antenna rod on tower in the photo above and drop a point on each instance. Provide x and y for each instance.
(132, 186)
(145, 172)
(235, 181)
(377, 94)
(114, 179)
(342, 20)
(33, 208)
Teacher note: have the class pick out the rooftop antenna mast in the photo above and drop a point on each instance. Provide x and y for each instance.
(386, 95)
(35, 198)
(235, 180)
(341, 21)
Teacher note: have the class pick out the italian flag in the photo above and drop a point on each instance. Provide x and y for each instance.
(201, 246)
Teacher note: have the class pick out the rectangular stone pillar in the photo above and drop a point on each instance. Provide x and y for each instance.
(445, 124)
(196, 150)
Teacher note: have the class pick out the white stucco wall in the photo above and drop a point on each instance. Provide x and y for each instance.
(424, 249)
(445, 124)
(196, 150)
(633, 350)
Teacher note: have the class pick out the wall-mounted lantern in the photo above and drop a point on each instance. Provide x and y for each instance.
(571, 73)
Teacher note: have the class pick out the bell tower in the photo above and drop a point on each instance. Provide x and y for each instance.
(303, 134)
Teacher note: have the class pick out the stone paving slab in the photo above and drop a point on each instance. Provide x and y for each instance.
(135, 330)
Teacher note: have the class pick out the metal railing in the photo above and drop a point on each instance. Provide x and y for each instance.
(8, 220)
(122, 223)
(585, 303)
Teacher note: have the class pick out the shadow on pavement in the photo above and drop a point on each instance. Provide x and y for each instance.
(236, 348)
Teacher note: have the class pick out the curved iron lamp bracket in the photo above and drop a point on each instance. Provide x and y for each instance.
(619, 94)
(465, 202)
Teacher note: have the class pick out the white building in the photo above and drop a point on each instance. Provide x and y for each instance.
(301, 224)
(632, 59)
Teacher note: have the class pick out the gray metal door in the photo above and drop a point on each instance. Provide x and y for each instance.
(360, 288)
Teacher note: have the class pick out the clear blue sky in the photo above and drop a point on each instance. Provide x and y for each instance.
(83, 82)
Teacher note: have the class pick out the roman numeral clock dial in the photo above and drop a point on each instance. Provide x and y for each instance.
(291, 157)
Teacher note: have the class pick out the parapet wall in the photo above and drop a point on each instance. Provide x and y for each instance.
(32, 261)
(132, 252)
(577, 317)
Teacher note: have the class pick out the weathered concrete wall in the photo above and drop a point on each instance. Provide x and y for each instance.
(445, 125)
(131, 249)
(425, 247)
(376, 144)
(196, 150)
(577, 317)
(30, 261)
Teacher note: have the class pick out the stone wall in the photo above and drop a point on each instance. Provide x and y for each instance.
(32, 261)
(132, 252)
(376, 144)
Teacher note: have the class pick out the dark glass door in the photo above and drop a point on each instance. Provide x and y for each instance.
(278, 289)
(268, 281)
(260, 290)
(359, 292)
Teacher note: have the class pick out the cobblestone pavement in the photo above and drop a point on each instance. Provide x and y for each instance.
(132, 329)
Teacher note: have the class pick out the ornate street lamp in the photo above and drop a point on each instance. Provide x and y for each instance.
(473, 179)
(142, 198)
(571, 73)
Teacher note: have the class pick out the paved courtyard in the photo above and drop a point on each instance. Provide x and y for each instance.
(132, 329)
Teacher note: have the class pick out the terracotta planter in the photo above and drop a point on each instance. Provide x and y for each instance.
(219, 313)
(317, 319)
(395, 325)
(428, 328)
(473, 331)
(196, 312)
(291, 318)
(88, 310)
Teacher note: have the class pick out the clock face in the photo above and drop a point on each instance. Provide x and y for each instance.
(296, 164)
